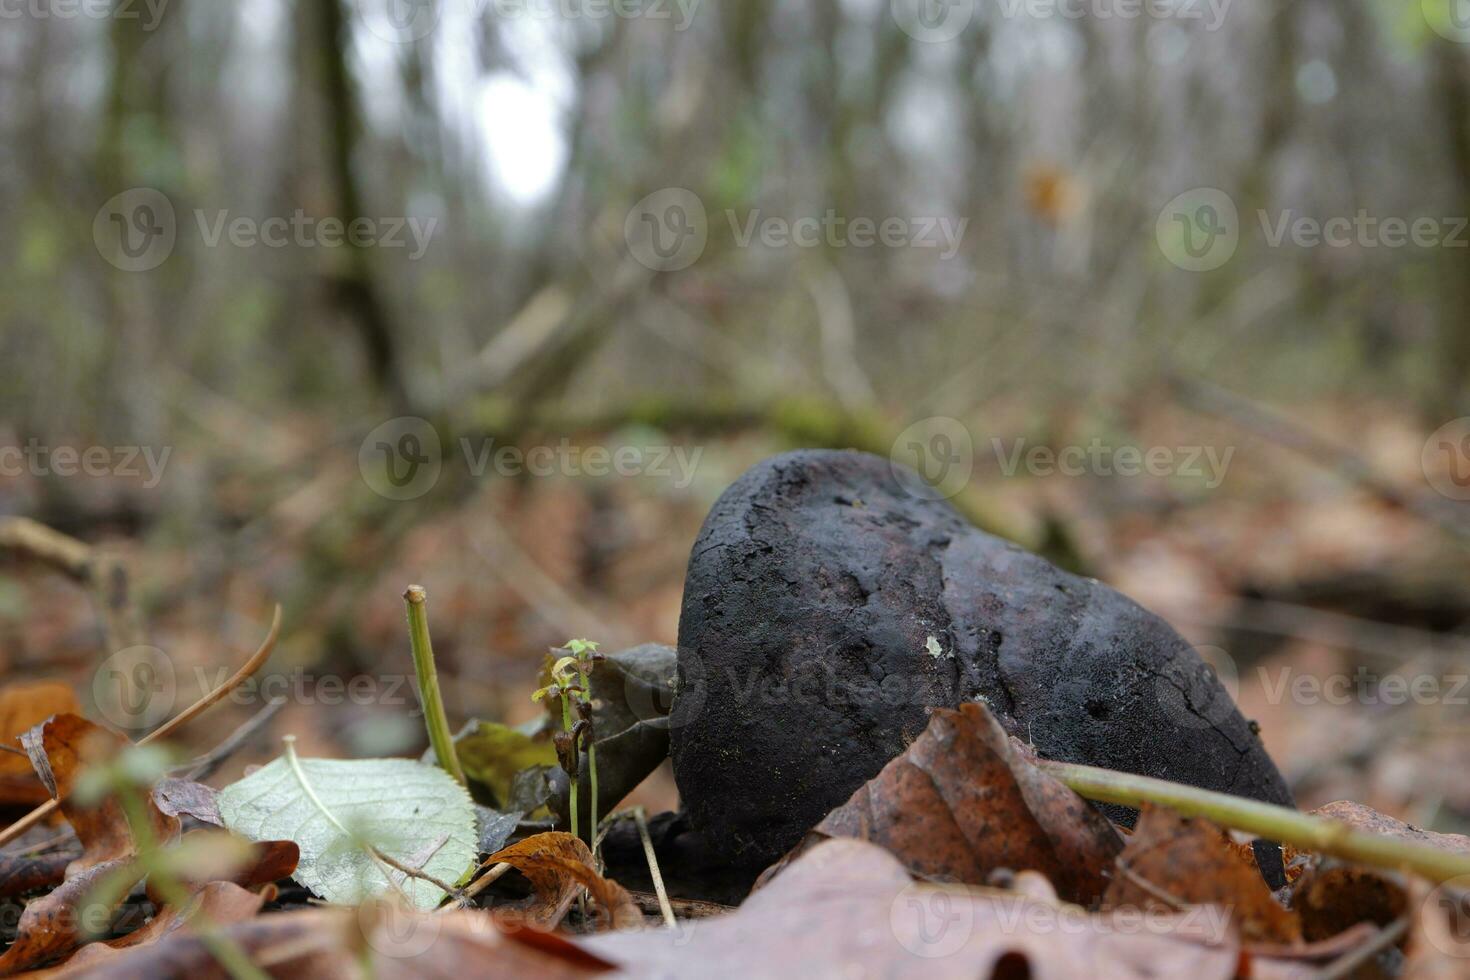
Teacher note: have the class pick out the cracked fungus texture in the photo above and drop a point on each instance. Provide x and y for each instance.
(805, 664)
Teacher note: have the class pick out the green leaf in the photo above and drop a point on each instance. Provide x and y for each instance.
(492, 753)
(339, 811)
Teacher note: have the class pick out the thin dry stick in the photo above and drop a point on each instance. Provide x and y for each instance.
(1227, 405)
(256, 661)
(1173, 901)
(1345, 964)
(205, 764)
(658, 878)
(100, 573)
(1277, 823)
(480, 884)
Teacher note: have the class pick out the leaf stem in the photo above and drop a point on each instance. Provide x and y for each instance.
(415, 599)
(1277, 823)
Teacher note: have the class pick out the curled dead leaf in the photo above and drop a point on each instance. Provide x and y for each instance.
(559, 866)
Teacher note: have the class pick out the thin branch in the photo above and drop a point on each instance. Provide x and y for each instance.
(243, 674)
(1277, 823)
(1344, 965)
(206, 764)
(1227, 405)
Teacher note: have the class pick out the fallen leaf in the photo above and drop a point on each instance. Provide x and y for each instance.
(492, 754)
(59, 922)
(61, 748)
(219, 902)
(338, 812)
(1175, 861)
(1366, 818)
(184, 797)
(1332, 897)
(23, 706)
(21, 873)
(377, 939)
(962, 802)
(559, 866)
(849, 908)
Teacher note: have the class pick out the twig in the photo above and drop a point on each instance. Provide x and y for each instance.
(206, 764)
(251, 666)
(480, 884)
(414, 599)
(102, 574)
(1277, 823)
(1227, 405)
(1173, 901)
(658, 878)
(1345, 964)
(413, 872)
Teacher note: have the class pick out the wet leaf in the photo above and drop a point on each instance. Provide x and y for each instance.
(558, 866)
(962, 802)
(69, 915)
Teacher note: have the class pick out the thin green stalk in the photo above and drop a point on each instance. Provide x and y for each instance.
(435, 721)
(566, 723)
(225, 950)
(591, 763)
(1277, 823)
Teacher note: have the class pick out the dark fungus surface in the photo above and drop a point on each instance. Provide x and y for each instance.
(826, 608)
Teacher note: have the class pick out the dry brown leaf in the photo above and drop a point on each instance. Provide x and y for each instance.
(1330, 898)
(59, 922)
(60, 749)
(221, 902)
(378, 940)
(962, 802)
(558, 865)
(20, 874)
(1366, 818)
(1174, 861)
(23, 706)
(849, 908)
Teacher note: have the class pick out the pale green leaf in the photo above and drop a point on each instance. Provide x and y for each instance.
(338, 811)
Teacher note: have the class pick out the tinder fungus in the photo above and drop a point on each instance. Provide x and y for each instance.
(827, 607)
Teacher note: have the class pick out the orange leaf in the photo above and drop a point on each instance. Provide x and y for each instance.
(559, 865)
(23, 706)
